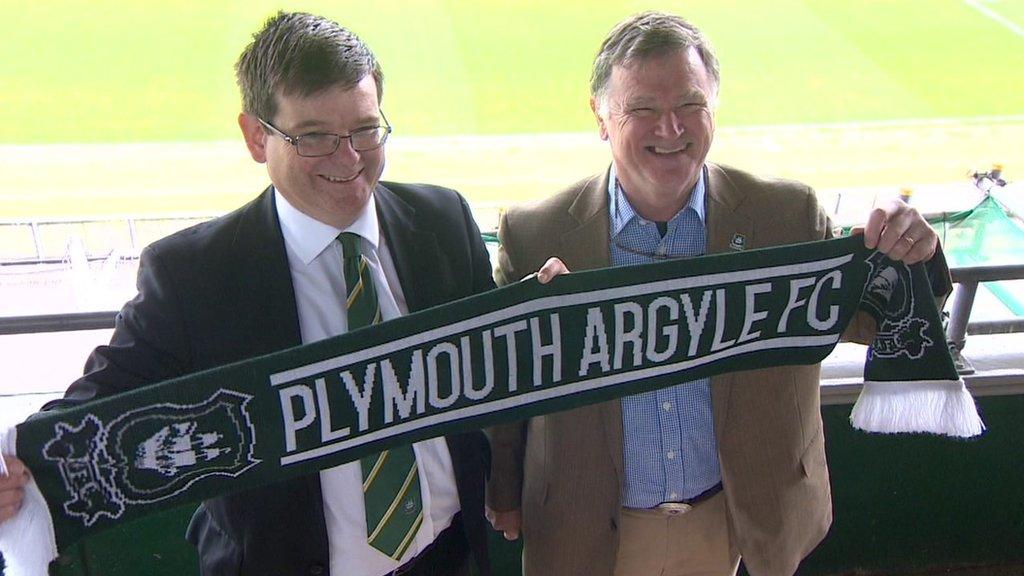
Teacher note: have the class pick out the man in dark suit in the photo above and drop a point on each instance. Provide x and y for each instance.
(270, 276)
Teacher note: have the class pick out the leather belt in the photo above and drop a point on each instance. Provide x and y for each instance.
(684, 506)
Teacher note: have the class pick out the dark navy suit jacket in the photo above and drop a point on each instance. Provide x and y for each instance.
(220, 292)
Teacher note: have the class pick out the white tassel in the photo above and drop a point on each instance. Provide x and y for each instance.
(934, 406)
(27, 541)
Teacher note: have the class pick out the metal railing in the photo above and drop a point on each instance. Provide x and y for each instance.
(31, 244)
(67, 322)
(966, 279)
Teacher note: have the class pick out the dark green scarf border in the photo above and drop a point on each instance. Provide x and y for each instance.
(583, 338)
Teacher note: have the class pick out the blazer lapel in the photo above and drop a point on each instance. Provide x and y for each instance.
(728, 227)
(415, 252)
(263, 264)
(583, 248)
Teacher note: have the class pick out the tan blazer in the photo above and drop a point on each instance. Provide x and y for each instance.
(565, 470)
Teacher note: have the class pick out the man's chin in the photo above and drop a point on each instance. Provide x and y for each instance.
(677, 174)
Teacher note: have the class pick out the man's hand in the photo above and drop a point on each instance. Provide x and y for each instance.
(12, 487)
(900, 232)
(508, 523)
(553, 267)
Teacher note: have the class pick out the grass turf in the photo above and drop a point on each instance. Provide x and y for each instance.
(117, 71)
(82, 79)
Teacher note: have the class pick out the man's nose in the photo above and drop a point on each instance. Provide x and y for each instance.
(345, 151)
(670, 123)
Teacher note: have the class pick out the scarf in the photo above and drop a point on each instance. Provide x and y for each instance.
(516, 352)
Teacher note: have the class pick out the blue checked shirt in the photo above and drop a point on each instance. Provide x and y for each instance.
(669, 442)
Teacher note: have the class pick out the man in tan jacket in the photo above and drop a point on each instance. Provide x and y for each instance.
(686, 479)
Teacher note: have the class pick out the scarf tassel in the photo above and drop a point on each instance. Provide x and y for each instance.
(941, 407)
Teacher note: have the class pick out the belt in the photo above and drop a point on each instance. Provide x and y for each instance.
(684, 506)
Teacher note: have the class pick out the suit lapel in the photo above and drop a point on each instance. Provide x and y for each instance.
(727, 223)
(418, 260)
(585, 247)
(263, 264)
(611, 415)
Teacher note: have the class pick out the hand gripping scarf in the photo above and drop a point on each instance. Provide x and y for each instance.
(516, 352)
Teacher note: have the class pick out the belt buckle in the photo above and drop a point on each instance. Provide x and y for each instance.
(675, 508)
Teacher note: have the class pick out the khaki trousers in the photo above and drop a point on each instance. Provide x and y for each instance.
(694, 543)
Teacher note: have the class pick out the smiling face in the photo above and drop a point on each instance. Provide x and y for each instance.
(658, 116)
(333, 189)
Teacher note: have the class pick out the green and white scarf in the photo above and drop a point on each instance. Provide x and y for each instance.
(516, 352)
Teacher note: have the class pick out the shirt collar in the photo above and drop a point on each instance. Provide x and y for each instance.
(622, 212)
(308, 237)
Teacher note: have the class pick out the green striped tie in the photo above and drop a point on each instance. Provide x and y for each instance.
(391, 483)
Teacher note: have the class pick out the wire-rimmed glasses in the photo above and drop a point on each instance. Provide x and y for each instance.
(317, 144)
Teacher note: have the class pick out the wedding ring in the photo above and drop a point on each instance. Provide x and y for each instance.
(908, 239)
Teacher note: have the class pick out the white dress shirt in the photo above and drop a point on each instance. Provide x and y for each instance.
(315, 261)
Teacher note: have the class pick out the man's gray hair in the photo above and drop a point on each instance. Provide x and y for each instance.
(301, 54)
(648, 35)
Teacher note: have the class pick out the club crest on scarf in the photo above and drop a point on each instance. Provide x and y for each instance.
(163, 450)
(889, 296)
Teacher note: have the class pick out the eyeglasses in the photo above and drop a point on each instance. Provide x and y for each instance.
(651, 255)
(314, 144)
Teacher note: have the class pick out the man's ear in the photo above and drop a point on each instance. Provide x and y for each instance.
(595, 107)
(255, 137)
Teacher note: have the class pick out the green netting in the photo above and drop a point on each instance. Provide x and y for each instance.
(986, 235)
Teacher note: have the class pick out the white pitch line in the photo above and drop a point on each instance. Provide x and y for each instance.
(1010, 24)
(230, 150)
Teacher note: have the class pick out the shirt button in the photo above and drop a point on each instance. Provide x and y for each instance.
(673, 496)
(671, 454)
(667, 406)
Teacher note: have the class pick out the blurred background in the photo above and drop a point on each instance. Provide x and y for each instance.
(118, 126)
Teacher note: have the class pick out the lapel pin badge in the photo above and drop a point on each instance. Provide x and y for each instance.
(738, 242)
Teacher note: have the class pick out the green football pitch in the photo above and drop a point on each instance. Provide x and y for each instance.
(113, 107)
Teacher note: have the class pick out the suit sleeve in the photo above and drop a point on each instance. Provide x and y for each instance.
(148, 344)
(508, 441)
(482, 274)
(862, 326)
(505, 273)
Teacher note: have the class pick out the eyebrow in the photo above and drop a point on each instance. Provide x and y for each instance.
(687, 97)
(319, 125)
(639, 101)
(695, 95)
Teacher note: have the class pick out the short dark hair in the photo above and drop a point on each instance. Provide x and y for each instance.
(301, 54)
(647, 35)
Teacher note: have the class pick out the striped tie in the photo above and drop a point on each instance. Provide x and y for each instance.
(391, 483)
